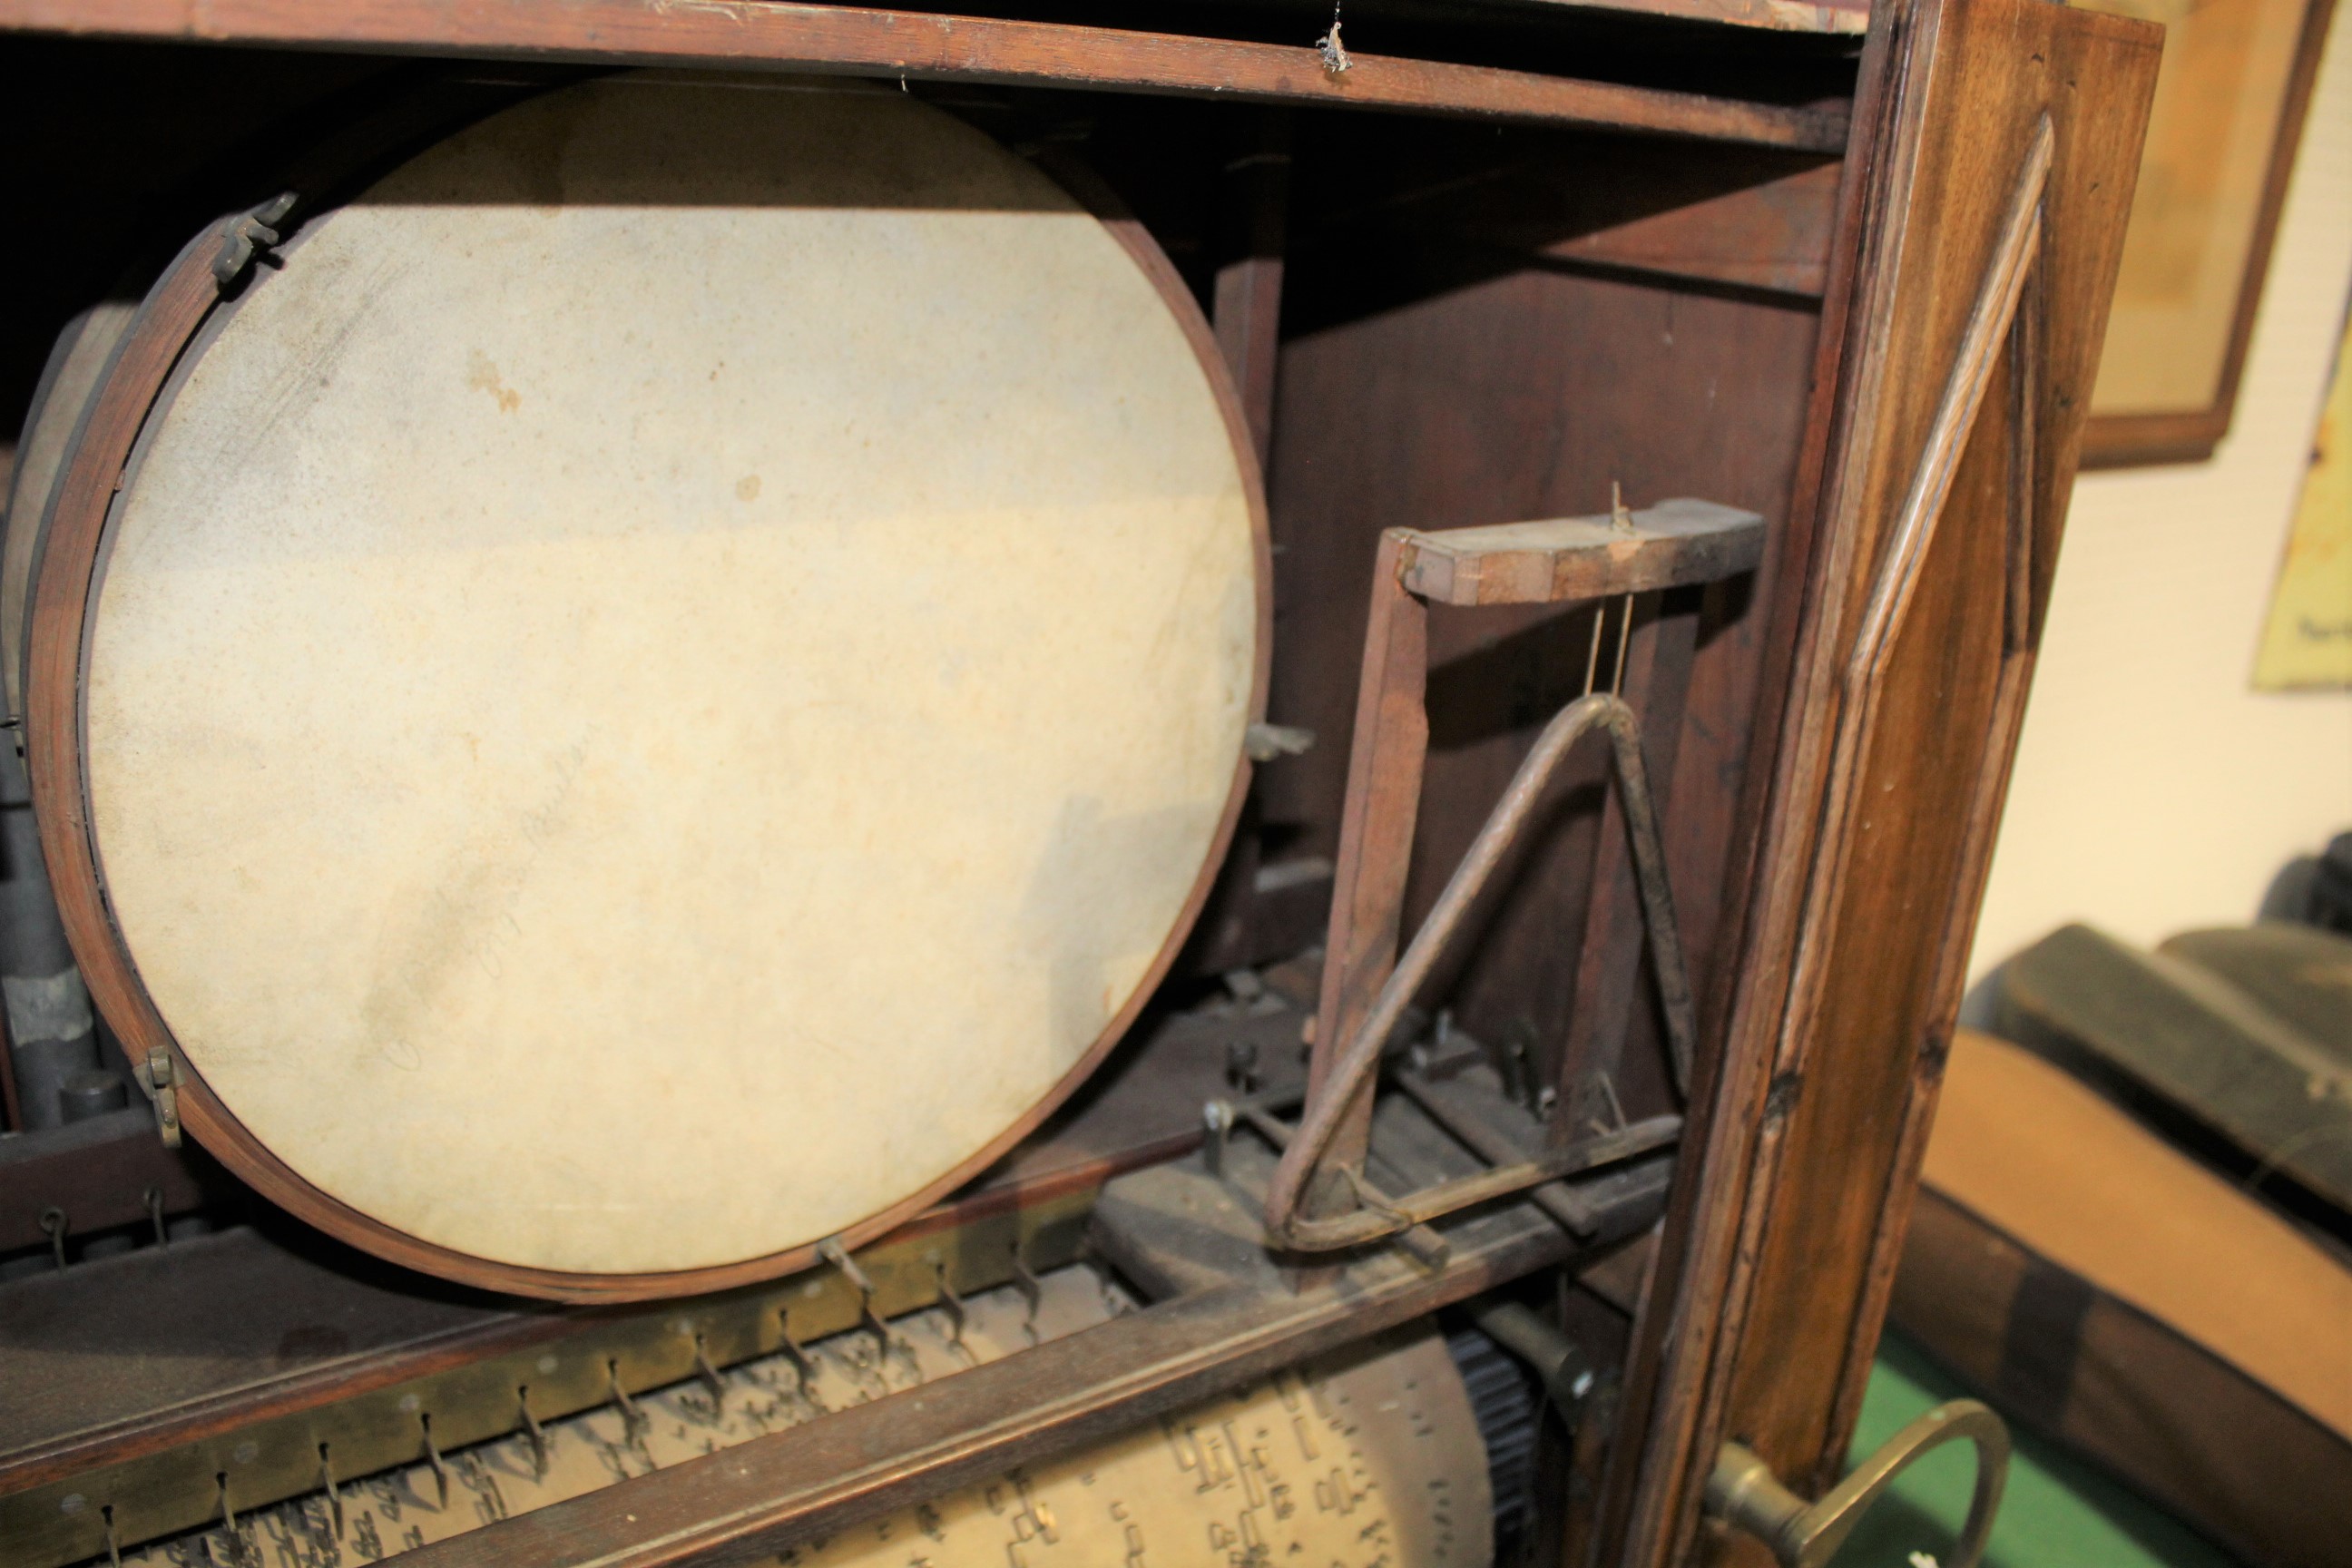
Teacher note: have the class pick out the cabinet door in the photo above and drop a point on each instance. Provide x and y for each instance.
(1995, 149)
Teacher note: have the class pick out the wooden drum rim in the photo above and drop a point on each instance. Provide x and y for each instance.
(63, 590)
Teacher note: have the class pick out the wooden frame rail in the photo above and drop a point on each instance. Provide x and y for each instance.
(760, 34)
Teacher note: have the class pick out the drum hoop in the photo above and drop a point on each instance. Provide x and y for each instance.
(65, 580)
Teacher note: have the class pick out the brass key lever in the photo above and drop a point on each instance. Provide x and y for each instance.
(1744, 1493)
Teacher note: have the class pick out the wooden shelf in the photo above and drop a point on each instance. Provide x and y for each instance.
(924, 46)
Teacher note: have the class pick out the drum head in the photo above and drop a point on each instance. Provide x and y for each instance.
(665, 683)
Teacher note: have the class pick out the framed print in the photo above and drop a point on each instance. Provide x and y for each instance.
(2230, 102)
(2308, 641)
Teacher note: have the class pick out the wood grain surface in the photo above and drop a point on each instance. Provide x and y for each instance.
(914, 43)
(1902, 711)
(1390, 744)
(1563, 559)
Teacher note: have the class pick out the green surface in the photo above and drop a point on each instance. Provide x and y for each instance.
(2057, 1512)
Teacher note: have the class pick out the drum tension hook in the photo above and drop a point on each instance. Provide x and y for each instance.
(334, 1493)
(953, 1305)
(433, 1457)
(832, 1252)
(631, 1418)
(716, 1385)
(532, 1432)
(159, 1081)
(249, 237)
(802, 1364)
(228, 1514)
(1032, 1291)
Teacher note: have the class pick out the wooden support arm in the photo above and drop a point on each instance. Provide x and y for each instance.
(1566, 559)
(1553, 560)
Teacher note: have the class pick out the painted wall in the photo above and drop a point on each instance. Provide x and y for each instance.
(2155, 789)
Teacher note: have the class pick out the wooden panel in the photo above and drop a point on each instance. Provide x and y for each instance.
(100, 1174)
(915, 44)
(1775, 235)
(1245, 307)
(1919, 622)
(1849, 1103)
(1743, 217)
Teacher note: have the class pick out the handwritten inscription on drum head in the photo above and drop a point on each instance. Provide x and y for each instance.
(661, 682)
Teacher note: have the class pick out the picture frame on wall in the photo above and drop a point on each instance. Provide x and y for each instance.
(2308, 639)
(2230, 96)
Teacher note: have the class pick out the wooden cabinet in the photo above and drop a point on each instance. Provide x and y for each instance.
(1478, 264)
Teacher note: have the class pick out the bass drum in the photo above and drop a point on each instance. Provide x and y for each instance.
(657, 687)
